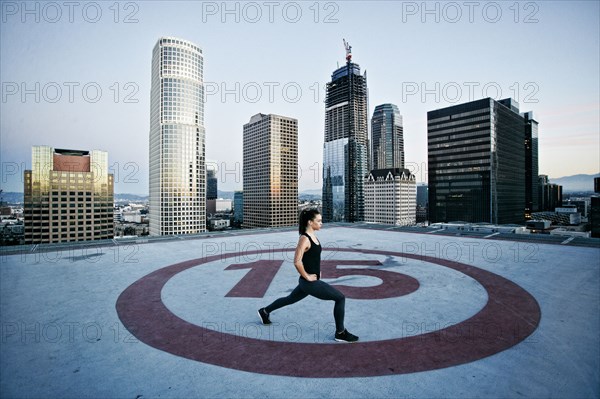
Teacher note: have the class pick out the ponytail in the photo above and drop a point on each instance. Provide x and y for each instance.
(305, 216)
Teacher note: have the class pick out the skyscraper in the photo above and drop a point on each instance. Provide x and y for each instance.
(549, 194)
(345, 152)
(595, 209)
(270, 171)
(68, 196)
(387, 140)
(177, 164)
(211, 185)
(531, 165)
(422, 195)
(390, 190)
(478, 164)
(422, 202)
(238, 208)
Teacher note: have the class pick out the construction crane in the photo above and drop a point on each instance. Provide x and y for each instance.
(348, 50)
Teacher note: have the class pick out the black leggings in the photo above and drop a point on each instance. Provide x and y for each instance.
(319, 289)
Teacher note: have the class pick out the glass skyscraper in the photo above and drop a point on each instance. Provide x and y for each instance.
(177, 163)
(387, 138)
(479, 160)
(345, 152)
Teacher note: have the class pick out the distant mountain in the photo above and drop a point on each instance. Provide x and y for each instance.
(307, 195)
(131, 197)
(17, 198)
(225, 194)
(317, 192)
(575, 182)
(11, 197)
(310, 195)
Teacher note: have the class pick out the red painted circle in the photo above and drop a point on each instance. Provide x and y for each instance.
(510, 315)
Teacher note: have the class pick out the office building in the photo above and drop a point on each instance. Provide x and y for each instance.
(390, 197)
(387, 139)
(422, 202)
(582, 203)
(549, 194)
(346, 147)
(478, 160)
(561, 217)
(270, 171)
(594, 217)
(422, 195)
(177, 164)
(389, 189)
(238, 207)
(211, 184)
(531, 165)
(68, 196)
(211, 207)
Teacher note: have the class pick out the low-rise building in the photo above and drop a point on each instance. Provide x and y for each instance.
(391, 197)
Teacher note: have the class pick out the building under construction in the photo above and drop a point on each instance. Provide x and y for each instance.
(345, 152)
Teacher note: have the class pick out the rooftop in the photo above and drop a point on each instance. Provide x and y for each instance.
(439, 314)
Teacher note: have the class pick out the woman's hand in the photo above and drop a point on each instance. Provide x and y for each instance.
(311, 277)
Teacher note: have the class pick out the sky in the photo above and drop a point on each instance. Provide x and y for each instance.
(77, 74)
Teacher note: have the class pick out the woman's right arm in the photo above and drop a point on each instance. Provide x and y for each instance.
(303, 246)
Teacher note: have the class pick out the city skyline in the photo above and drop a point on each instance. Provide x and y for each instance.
(64, 65)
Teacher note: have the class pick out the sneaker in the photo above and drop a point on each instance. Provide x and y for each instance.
(345, 336)
(264, 316)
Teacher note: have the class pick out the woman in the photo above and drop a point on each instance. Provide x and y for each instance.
(308, 263)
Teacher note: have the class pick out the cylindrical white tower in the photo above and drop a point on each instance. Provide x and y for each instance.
(177, 137)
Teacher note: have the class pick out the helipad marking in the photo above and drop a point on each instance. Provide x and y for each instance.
(510, 315)
(491, 235)
(568, 240)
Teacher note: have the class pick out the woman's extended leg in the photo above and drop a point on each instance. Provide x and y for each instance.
(296, 295)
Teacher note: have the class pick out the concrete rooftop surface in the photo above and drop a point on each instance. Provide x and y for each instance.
(438, 316)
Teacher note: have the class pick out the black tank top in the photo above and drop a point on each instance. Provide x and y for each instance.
(312, 258)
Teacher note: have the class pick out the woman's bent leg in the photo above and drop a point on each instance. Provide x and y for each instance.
(322, 290)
